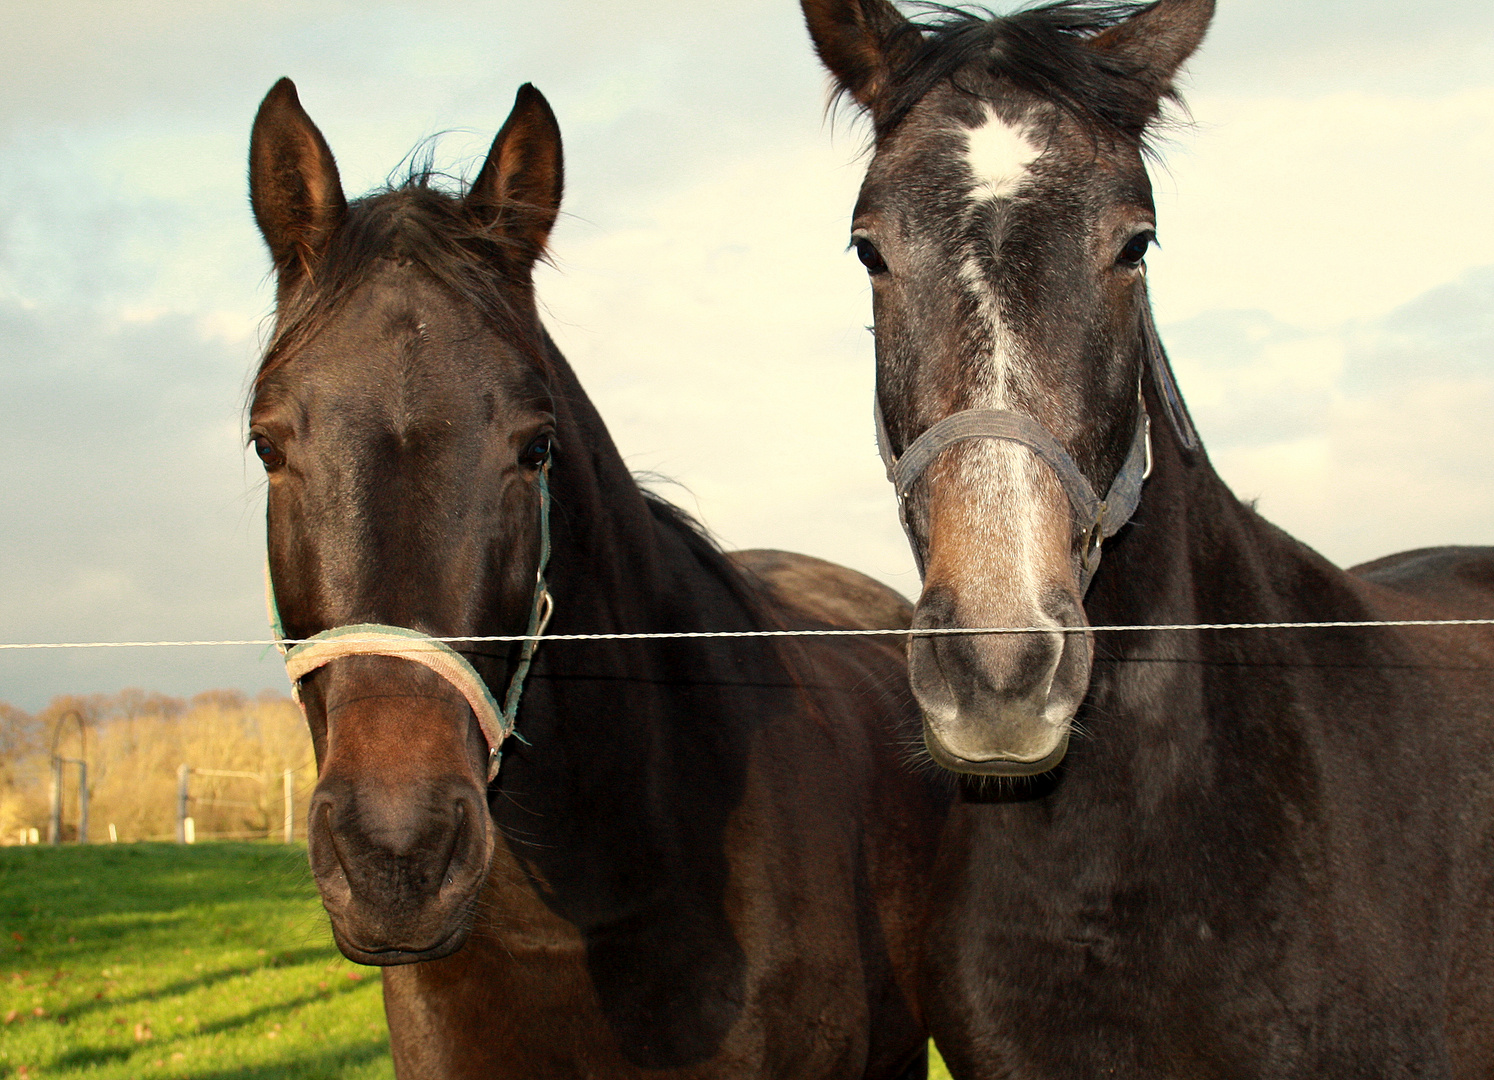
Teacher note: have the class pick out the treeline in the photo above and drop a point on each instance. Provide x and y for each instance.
(134, 743)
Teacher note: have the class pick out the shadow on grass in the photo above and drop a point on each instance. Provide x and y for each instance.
(244, 1019)
(288, 958)
(320, 1063)
(85, 1056)
(326, 1064)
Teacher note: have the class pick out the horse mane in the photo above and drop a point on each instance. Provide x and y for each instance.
(413, 219)
(1042, 50)
(709, 552)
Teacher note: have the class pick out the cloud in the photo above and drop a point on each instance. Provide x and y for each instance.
(1444, 335)
(1362, 440)
(722, 337)
(1319, 290)
(132, 282)
(1285, 47)
(1250, 378)
(128, 508)
(1324, 209)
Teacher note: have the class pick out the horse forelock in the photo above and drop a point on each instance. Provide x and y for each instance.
(414, 222)
(1042, 51)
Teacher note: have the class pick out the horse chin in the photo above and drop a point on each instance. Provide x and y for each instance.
(1000, 765)
(394, 956)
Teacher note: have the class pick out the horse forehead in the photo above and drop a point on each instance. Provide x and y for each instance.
(959, 153)
(951, 158)
(402, 306)
(402, 339)
(999, 155)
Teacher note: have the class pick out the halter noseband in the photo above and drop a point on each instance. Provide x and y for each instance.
(1102, 518)
(378, 639)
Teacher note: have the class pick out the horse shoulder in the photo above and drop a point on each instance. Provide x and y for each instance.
(824, 591)
(862, 705)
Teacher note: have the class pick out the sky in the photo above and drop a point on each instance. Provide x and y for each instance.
(1325, 284)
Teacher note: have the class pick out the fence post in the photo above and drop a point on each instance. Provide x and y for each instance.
(59, 767)
(181, 802)
(290, 806)
(82, 802)
(54, 823)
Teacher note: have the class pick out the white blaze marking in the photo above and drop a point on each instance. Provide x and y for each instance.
(999, 155)
(1005, 350)
(1006, 477)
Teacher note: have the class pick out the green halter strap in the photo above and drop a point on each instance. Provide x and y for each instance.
(378, 639)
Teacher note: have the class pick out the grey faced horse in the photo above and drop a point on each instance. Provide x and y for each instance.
(1224, 854)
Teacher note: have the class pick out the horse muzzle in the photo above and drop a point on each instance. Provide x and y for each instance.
(399, 834)
(998, 704)
(399, 872)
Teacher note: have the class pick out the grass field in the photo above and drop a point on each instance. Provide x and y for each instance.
(210, 961)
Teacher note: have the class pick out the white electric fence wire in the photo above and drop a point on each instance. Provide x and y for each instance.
(942, 631)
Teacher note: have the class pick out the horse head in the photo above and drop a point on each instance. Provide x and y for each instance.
(404, 419)
(1004, 221)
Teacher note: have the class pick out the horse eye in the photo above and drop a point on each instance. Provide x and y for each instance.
(537, 452)
(268, 453)
(870, 257)
(1136, 248)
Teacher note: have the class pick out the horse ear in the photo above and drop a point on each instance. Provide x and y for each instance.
(519, 187)
(293, 182)
(857, 40)
(1159, 38)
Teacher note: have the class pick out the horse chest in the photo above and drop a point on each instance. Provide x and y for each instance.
(1107, 950)
(532, 997)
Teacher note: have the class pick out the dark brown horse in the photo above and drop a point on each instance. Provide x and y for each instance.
(1234, 853)
(698, 858)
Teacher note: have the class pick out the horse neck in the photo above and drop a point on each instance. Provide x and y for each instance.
(616, 565)
(1193, 553)
(634, 751)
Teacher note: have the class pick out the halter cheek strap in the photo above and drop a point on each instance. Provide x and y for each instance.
(378, 639)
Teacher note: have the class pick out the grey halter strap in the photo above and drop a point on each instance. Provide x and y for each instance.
(1101, 519)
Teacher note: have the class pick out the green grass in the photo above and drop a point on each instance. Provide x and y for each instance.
(211, 961)
(154, 960)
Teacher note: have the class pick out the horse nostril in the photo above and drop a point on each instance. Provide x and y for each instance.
(327, 864)
(936, 607)
(1063, 606)
(465, 842)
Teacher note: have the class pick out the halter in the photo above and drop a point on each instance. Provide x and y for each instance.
(1102, 518)
(378, 639)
